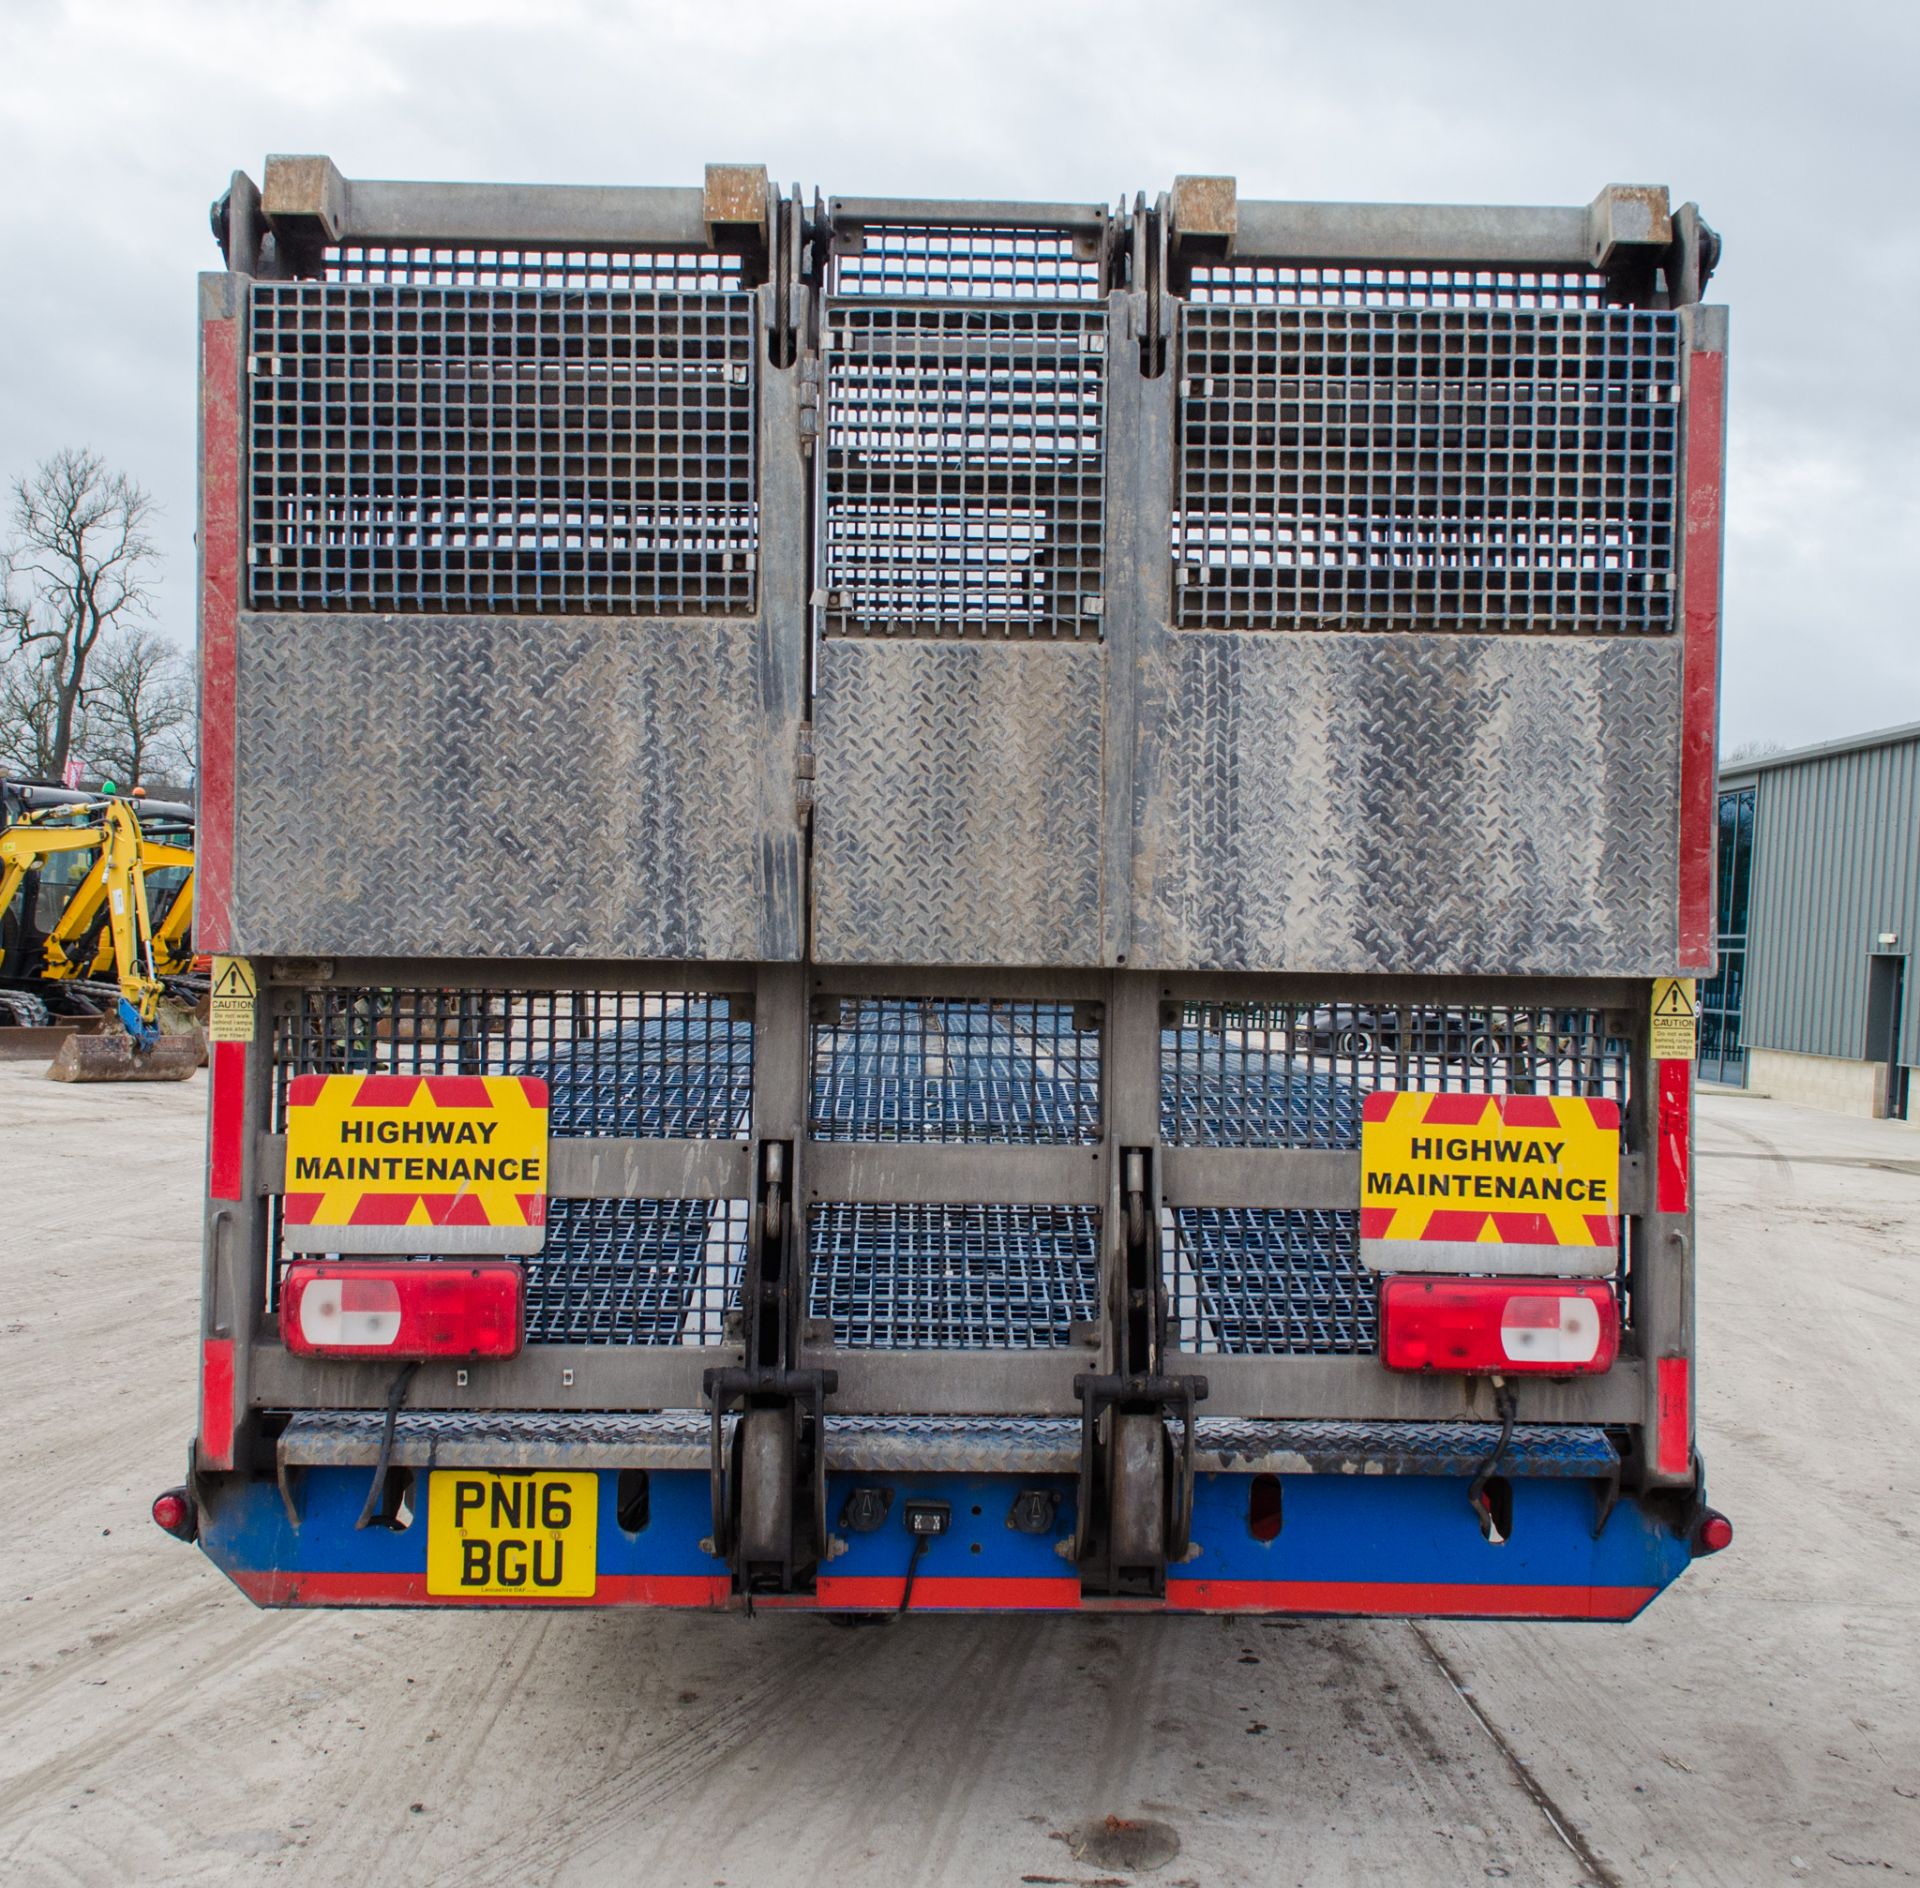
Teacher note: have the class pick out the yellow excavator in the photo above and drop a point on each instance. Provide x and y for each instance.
(78, 926)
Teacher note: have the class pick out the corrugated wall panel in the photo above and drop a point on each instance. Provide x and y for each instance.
(1835, 845)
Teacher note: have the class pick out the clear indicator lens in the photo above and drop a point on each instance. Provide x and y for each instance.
(358, 1313)
(1541, 1330)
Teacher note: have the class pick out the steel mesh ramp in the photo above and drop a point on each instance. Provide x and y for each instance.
(666, 1077)
(1267, 1281)
(944, 1071)
(636, 1272)
(969, 1277)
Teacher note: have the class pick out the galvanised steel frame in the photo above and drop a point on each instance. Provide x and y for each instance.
(957, 777)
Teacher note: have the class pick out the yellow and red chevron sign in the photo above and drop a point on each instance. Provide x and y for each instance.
(413, 1163)
(1490, 1183)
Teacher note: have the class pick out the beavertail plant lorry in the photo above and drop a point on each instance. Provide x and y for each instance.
(948, 905)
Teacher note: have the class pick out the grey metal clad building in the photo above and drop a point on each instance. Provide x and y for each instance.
(1819, 908)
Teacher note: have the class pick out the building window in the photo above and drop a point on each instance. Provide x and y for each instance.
(1723, 1049)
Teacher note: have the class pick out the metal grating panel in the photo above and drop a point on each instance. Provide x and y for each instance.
(958, 262)
(894, 1277)
(637, 1272)
(1265, 1282)
(963, 480)
(644, 1064)
(1297, 1075)
(1295, 284)
(1426, 468)
(501, 450)
(887, 1069)
(454, 265)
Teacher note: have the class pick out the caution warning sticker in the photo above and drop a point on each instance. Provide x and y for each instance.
(1673, 1019)
(231, 1004)
(1490, 1183)
(416, 1163)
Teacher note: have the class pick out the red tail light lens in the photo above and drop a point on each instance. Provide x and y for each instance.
(1557, 1327)
(415, 1308)
(1715, 1533)
(173, 1513)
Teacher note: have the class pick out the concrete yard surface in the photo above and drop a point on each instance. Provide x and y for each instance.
(1760, 1724)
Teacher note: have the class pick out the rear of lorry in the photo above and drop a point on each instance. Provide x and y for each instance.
(948, 905)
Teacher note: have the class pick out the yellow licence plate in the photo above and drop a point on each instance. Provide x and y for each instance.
(529, 1536)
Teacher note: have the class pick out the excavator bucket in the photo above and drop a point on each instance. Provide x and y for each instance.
(111, 1057)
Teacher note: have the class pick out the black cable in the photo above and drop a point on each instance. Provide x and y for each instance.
(377, 1492)
(1508, 1405)
(913, 1567)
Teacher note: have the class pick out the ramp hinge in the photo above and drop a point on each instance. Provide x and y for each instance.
(803, 773)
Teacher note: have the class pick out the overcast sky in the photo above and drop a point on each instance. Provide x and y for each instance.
(1796, 128)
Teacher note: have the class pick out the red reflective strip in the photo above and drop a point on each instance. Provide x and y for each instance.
(304, 1090)
(1374, 1221)
(459, 1091)
(1411, 1598)
(1529, 1111)
(278, 1587)
(1378, 1105)
(1606, 1114)
(383, 1209)
(386, 1091)
(533, 1208)
(1456, 1111)
(1449, 1224)
(219, 629)
(1675, 1134)
(1700, 688)
(1525, 1229)
(216, 1403)
(226, 1120)
(932, 1593)
(535, 1090)
(298, 1209)
(1674, 1453)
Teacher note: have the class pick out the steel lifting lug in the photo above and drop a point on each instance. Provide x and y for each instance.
(1135, 1514)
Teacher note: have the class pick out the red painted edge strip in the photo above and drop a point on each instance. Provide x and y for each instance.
(216, 1403)
(219, 628)
(1407, 1598)
(1700, 605)
(1404, 1599)
(277, 1587)
(226, 1119)
(1674, 1133)
(1673, 1453)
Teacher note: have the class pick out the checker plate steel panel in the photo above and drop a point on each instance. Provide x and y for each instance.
(1411, 804)
(958, 803)
(513, 786)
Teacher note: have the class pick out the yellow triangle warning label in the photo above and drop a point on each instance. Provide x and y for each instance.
(1673, 997)
(1673, 1019)
(233, 976)
(231, 1005)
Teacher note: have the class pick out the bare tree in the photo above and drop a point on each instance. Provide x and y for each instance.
(139, 706)
(1750, 751)
(79, 562)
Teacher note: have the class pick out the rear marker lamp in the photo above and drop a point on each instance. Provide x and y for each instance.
(1554, 1327)
(414, 1308)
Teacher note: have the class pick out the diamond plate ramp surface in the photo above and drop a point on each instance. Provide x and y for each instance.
(958, 804)
(1440, 805)
(513, 786)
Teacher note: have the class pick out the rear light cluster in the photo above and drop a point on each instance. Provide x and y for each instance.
(416, 1308)
(1511, 1326)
